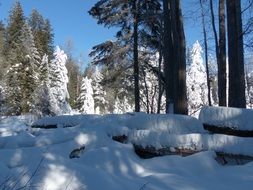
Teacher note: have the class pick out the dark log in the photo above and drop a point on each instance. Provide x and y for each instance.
(120, 138)
(45, 126)
(227, 131)
(150, 151)
(232, 159)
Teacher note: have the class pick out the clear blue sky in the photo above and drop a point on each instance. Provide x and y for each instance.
(70, 20)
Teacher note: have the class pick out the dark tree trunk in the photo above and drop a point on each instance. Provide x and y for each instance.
(136, 63)
(222, 68)
(168, 57)
(206, 54)
(174, 58)
(181, 100)
(146, 90)
(160, 91)
(235, 55)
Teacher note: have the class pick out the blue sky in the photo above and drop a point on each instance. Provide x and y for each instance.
(70, 20)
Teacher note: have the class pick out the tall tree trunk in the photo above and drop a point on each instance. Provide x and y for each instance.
(235, 55)
(160, 91)
(146, 90)
(222, 65)
(206, 54)
(136, 63)
(180, 77)
(168, 57)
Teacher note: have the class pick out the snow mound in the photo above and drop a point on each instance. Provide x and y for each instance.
(13, 125)
(176, 124)
(235, 118)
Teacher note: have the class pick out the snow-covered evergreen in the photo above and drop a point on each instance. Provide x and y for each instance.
(85, 99)
(196, 80)
(122, 106)
(58, 83)
(99, 94)
(23, 75)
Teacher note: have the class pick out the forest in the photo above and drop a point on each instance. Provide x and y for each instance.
(147, 66)
(150, 109)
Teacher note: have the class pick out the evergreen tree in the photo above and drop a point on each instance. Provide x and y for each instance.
(11, 52)
(99, 94)
(196, 81)
(16, 22)
(129, 16)
(2, 42)
(42, 33)
(29, 69)
(74, 74)
(41, 96)
(85, 99)
(58, 84)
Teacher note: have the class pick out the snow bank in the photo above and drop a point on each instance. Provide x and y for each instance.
(179, 124)
(235, 118)
(195, 142)
(15, 124)
(106, 164)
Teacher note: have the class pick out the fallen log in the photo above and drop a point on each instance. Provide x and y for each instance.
(150, 151)
(227, 131)
(120, 138)
(232, 159)
(44, 126)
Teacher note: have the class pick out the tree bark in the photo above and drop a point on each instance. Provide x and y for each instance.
(168, 57)
(160, 91)
(135, 55)
(206, 53)
(235, 55)
(222, 68)
(181, 100)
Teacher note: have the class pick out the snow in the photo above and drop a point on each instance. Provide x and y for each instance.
(106, 164)
(196, 81)
(85, 99)
(236, 118)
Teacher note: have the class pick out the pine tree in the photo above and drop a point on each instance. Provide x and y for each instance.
(85, 99)
(30, 69)
(16, 22)
(2, 42)
(99, 93)
(58, 84)
(41, 96)
(196, 81)
(129, 16)
(42, 33)
(15, 57)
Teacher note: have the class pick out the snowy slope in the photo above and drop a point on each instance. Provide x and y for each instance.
(106, 164)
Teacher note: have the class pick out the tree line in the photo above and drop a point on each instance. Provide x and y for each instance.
(156, 28)
(33, 74)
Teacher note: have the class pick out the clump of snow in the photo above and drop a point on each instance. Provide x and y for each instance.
(236, 118)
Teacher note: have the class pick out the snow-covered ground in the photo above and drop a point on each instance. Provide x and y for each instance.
(106, 164)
